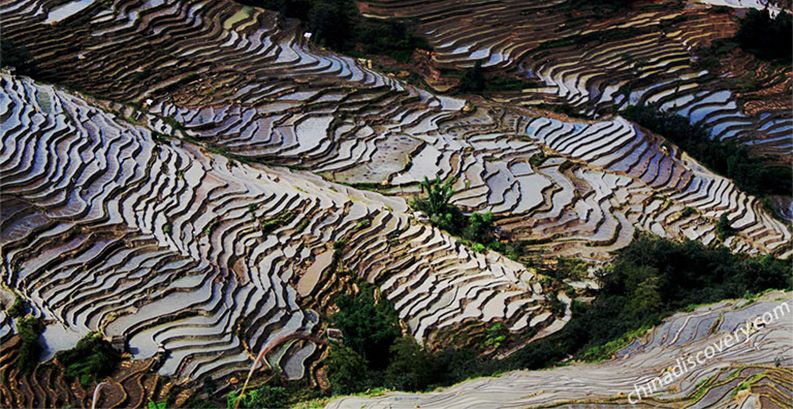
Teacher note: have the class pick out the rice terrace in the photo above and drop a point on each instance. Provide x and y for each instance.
(396, 204)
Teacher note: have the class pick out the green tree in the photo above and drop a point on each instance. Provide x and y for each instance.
(369, 326)
(439, 195)
(348, 371)
(29, 329)
(480, 228)
(473, 79)
(648, 280)
(91, 359)
(339, 25)
(12, 55)
(723, 227)
(17, 309)
(645, 298)
(412, 368)
(495, 335)
(729, 159)
(767, 38)
(329, 21)
(437, 205)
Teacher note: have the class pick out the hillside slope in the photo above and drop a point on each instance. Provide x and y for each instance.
(755, 372)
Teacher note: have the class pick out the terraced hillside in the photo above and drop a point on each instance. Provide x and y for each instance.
(598, 59)
(200, 179)
(753, 373)
(208, 259)
(247, 84)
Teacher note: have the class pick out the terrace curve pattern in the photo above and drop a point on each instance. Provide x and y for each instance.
(184, 126)
(599, 62)
(754, 373)
(106, 228)
(241, 81)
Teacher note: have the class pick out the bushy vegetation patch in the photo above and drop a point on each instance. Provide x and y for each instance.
(268, 225)
(369, 325)
(374, 354)
(90, 360)
(723, 228)
(18, 57)
(766, 37)
(338, 25)
(17, 309)
(649, 280)
(435, 202)
(29, 329)
(475, 79)
(412, 368)
(476, 230)
(729, 159)
(266, 396)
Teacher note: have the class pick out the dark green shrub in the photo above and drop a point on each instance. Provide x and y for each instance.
(29, 329)
(480, 228)
(648, 280)
(330, 22)
(436, 204)
(473, 79)
(17, 309)
(338, 25)
(495, 335)
(90, 360)
(281, 219)
(723, 228)
(348, 371)
(412, 368)
(477, 230)
(767, 38)
(12, 55)
(369, 326)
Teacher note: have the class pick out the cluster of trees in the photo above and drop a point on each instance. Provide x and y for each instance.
(90, 360)
(759, 34)
(477, 230)
(766, 37)
(12, 55)
(369, 324)
(372, 336)
(726, 158)
(29, 329)
(338, 25)
(474, 79)
(723, 227)
(18, 308)
(375, 354)
(649, 280)
(709, 58)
